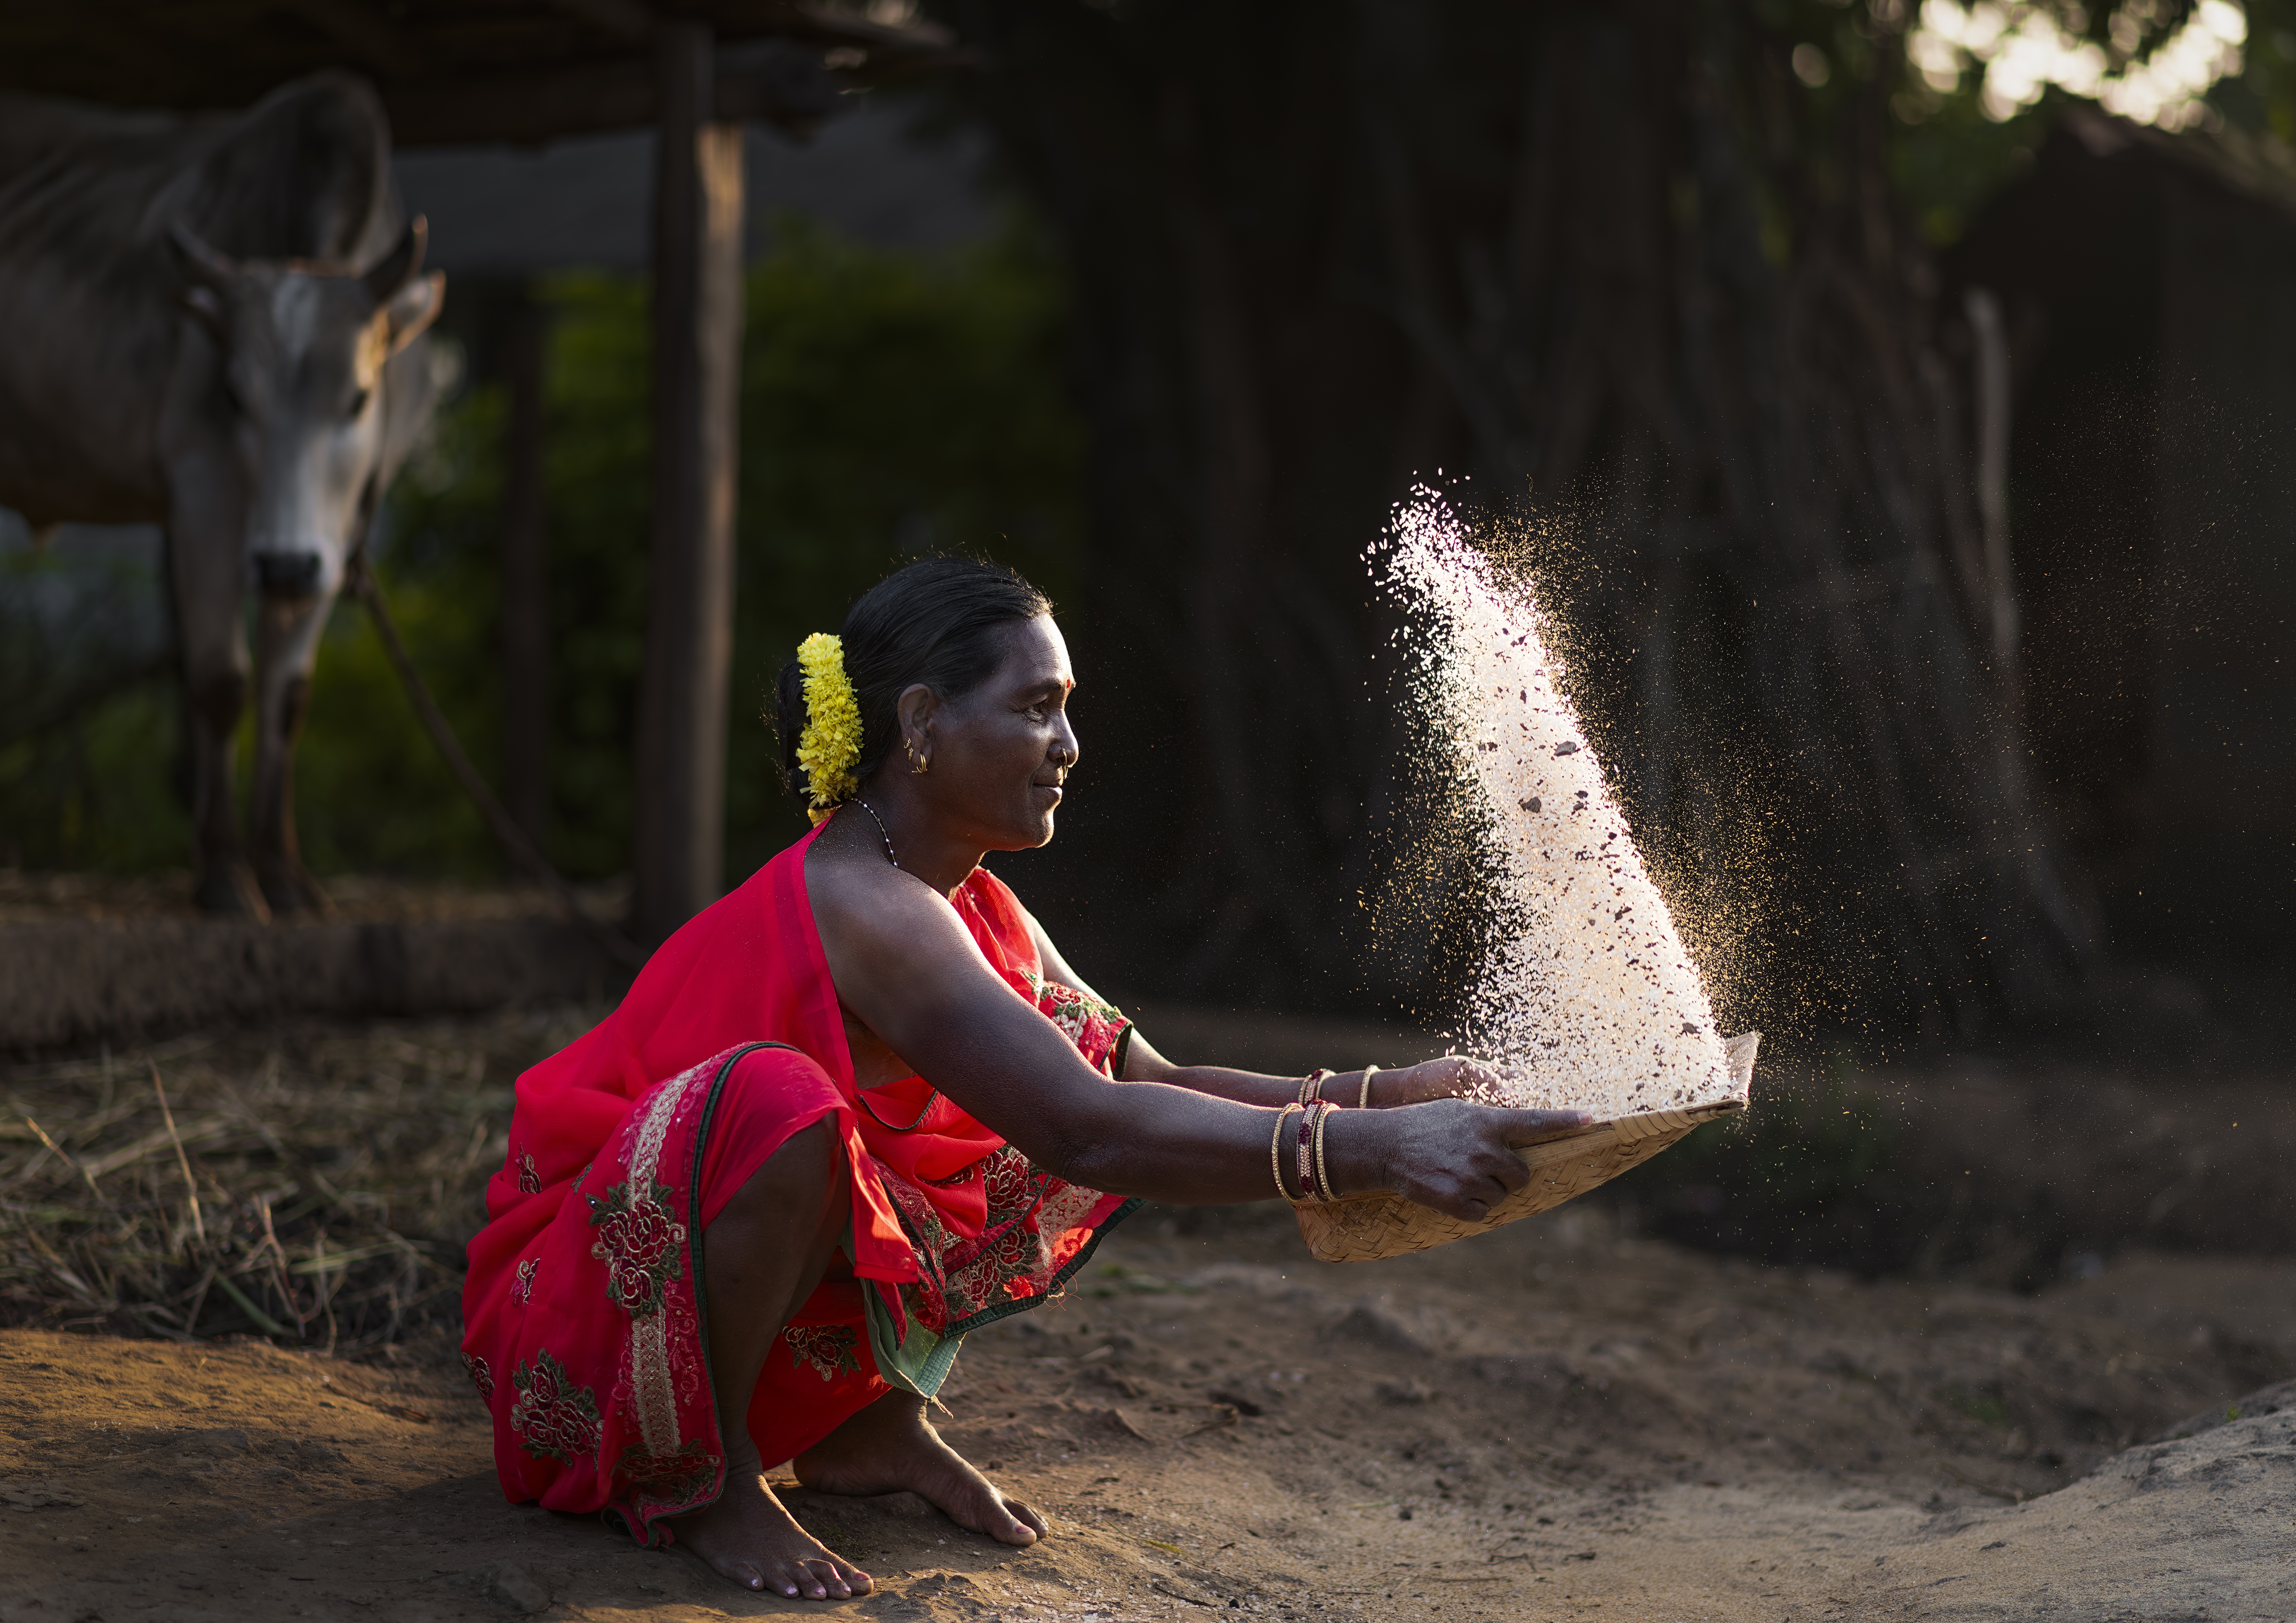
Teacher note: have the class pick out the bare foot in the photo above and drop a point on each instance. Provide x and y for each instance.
(890, 1447)
(750, 1538)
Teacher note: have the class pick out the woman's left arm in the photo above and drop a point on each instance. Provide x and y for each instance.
(1451, 1075)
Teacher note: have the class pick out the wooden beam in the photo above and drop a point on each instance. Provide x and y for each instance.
(785, 84)
(526, 582)
(689, 649)
(380, 45)
(627, 18)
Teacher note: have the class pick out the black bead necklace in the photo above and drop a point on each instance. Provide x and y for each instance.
(882, 834)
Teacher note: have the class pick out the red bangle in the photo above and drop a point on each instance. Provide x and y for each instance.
(1323, 1172)
(1311, 1151)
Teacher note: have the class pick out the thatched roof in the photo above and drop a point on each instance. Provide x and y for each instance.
(464, 70)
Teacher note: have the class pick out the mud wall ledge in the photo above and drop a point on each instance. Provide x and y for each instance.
(69, 981)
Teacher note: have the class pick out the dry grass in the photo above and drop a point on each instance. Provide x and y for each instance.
(313, 1184)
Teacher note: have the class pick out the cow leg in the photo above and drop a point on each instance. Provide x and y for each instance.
(287, 650)
(206, 585)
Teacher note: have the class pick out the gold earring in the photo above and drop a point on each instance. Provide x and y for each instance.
(916, 767)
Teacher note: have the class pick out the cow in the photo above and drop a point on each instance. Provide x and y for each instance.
(215, 325)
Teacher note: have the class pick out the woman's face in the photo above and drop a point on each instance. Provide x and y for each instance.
(999, 754)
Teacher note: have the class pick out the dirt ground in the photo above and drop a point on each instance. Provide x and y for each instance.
(1546, 1422)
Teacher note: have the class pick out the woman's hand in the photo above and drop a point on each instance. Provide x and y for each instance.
(1459, 1158)
(1452, 1077)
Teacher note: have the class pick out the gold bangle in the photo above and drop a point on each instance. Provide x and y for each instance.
(1323, 1190)
(1311, 1086)
(1275, 1149)
(1363, 1100)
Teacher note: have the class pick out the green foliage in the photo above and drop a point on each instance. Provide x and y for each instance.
(373, 794)
(88, 744)
(97, 791)
(1948, 160)
(892, 403)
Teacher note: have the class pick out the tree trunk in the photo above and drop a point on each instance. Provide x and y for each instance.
(526, 583)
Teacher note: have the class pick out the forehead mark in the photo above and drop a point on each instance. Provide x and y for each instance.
(294, 314)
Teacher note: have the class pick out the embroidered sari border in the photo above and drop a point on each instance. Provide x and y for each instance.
(1060, 1276)
(642, 1520)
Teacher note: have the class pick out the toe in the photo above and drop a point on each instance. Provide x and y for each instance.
(1018, 1533)
(1029, 1516)
(860, 1581)
(832, 1579)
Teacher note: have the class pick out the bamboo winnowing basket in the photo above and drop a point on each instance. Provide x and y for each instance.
(1364, 1228)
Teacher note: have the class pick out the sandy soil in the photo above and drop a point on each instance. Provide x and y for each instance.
(1546, 1422)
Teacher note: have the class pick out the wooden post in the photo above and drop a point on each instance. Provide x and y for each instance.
(697, 334)
(525, 584)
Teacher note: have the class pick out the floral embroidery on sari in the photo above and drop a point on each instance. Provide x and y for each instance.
(642, 1246)
(481, 1377)
(529, 1178)
(1092, 1025)
(674, 1480)
(553, 1419)
(522, 1289)
(830, 1349)
(1030, 1237)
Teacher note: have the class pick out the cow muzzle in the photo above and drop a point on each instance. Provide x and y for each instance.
(287, 574)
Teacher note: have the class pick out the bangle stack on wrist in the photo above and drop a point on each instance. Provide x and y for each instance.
(1310, 1167)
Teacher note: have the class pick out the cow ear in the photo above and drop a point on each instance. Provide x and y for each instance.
(414, 307)
(391, 273)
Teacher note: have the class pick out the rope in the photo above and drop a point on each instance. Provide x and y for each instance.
(513, 839)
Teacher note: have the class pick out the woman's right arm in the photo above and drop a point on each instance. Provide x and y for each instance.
(906, 967)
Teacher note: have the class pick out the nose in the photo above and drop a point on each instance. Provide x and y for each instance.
(287, 574)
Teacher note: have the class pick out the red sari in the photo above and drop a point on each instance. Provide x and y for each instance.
(584, 1313)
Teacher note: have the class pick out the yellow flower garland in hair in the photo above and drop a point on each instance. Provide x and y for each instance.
(830, 744)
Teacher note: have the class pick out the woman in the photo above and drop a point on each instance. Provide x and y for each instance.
(863, 1105)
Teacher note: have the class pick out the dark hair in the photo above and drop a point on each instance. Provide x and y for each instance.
(934, 622)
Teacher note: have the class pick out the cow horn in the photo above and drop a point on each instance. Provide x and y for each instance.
(396, 268)
(200, 263)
